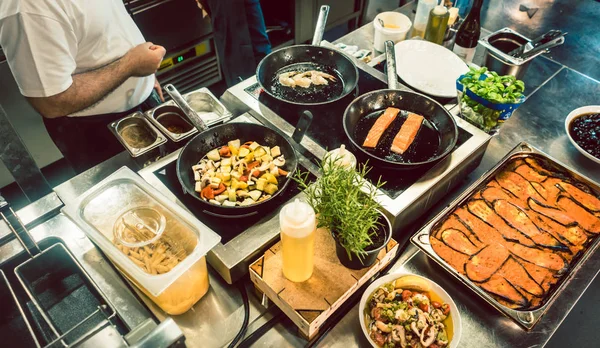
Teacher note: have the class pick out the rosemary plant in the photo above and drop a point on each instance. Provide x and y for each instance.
(341, 206)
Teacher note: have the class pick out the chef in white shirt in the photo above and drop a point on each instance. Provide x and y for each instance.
(81, 64)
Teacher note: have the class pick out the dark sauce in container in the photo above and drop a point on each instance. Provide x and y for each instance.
(585, 130)
(423, 148)
(312, 94)
(174, 123)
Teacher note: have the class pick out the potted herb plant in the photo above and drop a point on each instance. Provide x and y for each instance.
(487, 99)
(347, 207)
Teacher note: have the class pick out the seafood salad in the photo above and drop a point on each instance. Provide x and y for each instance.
(405, 313)
(239, 174)
(305, 79)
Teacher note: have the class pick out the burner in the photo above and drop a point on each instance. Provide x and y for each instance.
(327, 129)
(227, 228)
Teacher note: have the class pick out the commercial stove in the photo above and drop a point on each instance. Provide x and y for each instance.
(404, 197)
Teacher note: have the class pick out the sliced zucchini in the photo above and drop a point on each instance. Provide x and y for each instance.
(213, 155)
(266, 158)
(255, 195)
(231, 195)
(242, 153)
(259, 152)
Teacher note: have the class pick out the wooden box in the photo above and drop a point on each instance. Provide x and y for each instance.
(310, 303)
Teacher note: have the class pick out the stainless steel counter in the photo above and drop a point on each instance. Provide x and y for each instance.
(217, 317)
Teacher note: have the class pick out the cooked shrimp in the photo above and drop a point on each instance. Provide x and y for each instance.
(318, 79)
(287, 80)
(301, 80)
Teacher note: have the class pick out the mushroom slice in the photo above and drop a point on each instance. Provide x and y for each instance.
(428, 336)
(399, 335)
(279, 161)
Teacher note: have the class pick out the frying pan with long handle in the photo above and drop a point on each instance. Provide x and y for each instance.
(218, 136)
(437, 136)
(308, 57)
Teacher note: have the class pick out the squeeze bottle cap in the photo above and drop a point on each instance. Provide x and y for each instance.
(297, 219)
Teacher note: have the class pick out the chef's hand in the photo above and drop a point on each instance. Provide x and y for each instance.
(144, 59)
(158, 89)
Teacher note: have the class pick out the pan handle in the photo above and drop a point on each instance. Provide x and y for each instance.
(183, 105)
(304, 122)
(390, 58)
(320, 28)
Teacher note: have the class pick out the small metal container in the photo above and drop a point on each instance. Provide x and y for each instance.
(496, 57)
(172, 121)
(207, 106)
(527, 318)
(137, 134)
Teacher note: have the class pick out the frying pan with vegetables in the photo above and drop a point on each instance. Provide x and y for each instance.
(436, 137)
(219, 136)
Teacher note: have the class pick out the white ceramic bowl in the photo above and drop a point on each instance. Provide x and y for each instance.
(573, 115)
(382, 34)
(438, 290)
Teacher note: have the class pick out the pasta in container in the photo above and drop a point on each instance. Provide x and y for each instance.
(157, 245)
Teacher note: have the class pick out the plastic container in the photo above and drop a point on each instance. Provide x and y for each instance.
(396, 27)
(437, 24)
(298, 225)
(422, 16)
(122, 214)
(343, 157)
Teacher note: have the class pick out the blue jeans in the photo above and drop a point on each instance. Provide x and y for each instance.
(240, 36)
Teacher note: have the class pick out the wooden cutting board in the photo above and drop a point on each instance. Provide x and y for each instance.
(310, 303)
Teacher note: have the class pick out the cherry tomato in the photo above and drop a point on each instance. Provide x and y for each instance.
(436, 304)
(406, 294)
(424, 307)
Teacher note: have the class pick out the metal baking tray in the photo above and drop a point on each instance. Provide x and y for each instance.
(135, 127)
(525, 318)
(170, 114)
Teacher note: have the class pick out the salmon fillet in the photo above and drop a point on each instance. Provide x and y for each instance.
(407, 133)
(380, 126)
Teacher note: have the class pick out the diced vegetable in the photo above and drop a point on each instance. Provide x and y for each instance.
(255, 195)
(224, 151)
(282, 172)
(197, 167)
(197, 176)
(214, 182)
(267, 150)
(234, 144)
(226, 162)
(213, 155)
(226, 176)
(254, 145)
(221, 198)
(250, 157)
(266, 158)
(247, 201)
(270, 178)
(261, 184)
(259, 152)
(271, 189)
(274, 171)
(214, 202)
(232, 195)
(198, 187)
(235, 174)
(225, 169)
(253, 165)
(243, 152)
(220, 189)
(207, 193)
(229, 204)
(275, 151)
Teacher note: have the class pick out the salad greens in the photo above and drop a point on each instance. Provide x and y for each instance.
(494, 88)
(500, 90)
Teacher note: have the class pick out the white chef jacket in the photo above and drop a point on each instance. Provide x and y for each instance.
(47, 41)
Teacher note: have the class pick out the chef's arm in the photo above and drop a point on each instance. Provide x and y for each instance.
(92, 86)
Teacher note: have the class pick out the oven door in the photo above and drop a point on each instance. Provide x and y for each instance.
(173, 24)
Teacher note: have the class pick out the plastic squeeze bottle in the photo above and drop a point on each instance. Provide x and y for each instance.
(298, 225)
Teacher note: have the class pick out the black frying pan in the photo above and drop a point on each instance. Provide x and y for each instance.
(304, 58)
(437, 136)
(218, 136)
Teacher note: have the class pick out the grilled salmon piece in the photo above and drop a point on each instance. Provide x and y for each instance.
(380, 126)
(407, 133)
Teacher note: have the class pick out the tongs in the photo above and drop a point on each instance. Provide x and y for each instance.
(191, 114)
(550, 39)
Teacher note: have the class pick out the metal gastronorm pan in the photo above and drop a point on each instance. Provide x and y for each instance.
(525, 318)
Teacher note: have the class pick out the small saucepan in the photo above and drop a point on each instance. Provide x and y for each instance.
(435, 139)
